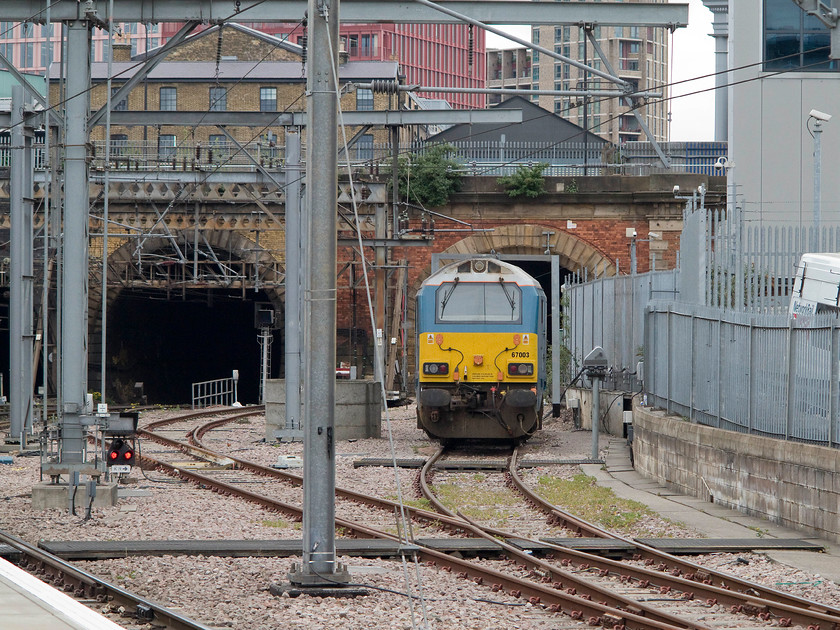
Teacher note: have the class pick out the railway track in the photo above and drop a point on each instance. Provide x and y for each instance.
(554, 587)
(92, 590)
(671, 575)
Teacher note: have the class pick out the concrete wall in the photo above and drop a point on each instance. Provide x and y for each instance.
(792, 484)
(358, 409)
(611, 403)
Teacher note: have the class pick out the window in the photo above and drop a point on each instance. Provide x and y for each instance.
(353, 45)
(478, 302)
(364, 147)
(218, 99)
(166, 146)
(118, 107)
(118, 144)
(366, 49)
(364, 99)
(795, 40)
(168, 99)
(268, 99)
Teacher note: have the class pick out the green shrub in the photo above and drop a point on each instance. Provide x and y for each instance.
(430, 178)
(526, 181)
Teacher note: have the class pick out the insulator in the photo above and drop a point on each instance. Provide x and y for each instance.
(303, 42)
(384, 86)
(219, 47)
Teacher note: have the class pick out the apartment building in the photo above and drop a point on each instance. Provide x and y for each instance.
(508, 68)
(639, 55)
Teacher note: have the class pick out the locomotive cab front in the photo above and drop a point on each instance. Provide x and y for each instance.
(480, 346)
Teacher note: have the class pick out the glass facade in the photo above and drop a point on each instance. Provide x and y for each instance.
(794, 40)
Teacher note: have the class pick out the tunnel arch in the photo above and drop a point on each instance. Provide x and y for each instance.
(232, 244)
(575, 255)
(229, 241)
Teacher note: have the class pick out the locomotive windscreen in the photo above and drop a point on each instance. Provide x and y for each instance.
(498, 302)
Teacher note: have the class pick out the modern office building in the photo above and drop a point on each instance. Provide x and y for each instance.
(772, 132)
(25, 44)
(434, 55)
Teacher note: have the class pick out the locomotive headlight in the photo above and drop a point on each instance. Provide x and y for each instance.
(436, 369)
(521, 369)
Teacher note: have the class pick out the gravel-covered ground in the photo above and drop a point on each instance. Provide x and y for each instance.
(226, 592)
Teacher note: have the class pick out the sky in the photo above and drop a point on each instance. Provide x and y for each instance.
(692, 117)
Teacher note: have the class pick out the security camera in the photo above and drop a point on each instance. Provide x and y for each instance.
(815, 113)
(721, 163)
(676, 189)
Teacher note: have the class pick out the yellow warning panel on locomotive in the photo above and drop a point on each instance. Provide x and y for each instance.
(478, 357)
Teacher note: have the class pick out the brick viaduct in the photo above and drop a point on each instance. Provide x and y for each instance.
(588, 218)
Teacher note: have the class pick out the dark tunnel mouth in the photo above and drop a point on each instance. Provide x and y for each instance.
(169, 344)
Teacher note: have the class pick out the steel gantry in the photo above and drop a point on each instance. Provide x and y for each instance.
(79, 17)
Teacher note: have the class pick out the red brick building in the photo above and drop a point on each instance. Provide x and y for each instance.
(451, 55)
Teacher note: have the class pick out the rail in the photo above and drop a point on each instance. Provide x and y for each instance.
(65, 576)
(723, 588)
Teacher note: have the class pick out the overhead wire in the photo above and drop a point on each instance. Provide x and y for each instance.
(469, 133)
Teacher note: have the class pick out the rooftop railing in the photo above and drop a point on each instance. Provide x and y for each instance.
(477, 158)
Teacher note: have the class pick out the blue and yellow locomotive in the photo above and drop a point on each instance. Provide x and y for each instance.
(481, 346)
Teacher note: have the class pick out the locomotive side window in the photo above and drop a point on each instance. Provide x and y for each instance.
(499, 302)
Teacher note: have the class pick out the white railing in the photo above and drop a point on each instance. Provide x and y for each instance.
(221, 391)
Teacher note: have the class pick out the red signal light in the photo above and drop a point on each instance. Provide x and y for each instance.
(121, 452)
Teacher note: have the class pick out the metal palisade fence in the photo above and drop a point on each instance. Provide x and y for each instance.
(714, 339)
(756, 373)
(610, 312)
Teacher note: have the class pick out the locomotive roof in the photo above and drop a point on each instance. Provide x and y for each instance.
(494, 269)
